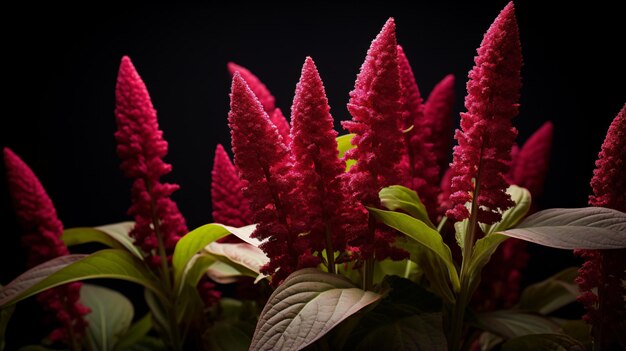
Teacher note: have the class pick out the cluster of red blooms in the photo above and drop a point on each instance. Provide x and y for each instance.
(42, 236)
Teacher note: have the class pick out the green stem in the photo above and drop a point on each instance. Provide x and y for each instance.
(330, 252)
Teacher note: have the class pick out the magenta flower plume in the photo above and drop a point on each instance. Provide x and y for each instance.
(42, 237)
(530, 163)
(375, 105)
(484, 142)
(264, 164)
(265, 97)
(141, 147)
(316, 162)
(604, 270)
(420, 161)
(438, 118)
(230, 207)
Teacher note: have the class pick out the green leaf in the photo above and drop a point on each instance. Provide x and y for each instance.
(408, 318)
(223, 273)
(344, 143)
(481, 254)
(551, 294)
(248, 259)
(112, 235)
(594, 228)
(305, 307)
(135, 333)
(423, 235)
(230, 335)
(109, 263)
(513, 215)
(110, 317)
(543, 342)
(511, 324)
(578, 330)
(196, 268)
(397, 197)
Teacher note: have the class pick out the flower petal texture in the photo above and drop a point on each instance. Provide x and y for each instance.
(438, 118)
(230, 207)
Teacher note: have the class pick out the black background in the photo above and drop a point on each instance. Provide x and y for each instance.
(60, 66)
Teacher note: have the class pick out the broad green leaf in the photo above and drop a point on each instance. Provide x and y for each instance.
(543, 342)
(307, 305)
(248, 258)
(425, 236)
(510, 324)
(112, 235)
(481, 254)
(137, 331)
(513, 215)
(408, 318)
(110, 317)
(196, 268)
(397, 197)
(157, 311)
(191, 243)
(594, 228)
(223, 273)
(551, 294)
(344, 143)
(109, 263)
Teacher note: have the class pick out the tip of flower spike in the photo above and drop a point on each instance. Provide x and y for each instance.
(242, 95)
(131, 92)
(447, 82)
(233, 67)
(256, 85)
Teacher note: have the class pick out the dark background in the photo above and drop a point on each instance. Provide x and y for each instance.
(60, 66)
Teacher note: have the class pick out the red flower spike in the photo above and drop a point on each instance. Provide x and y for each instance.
(484, 145)
(42, 237)
(254, 83)
(375, 105)
(263, 162)
(230, 207)
(314, 148)
(420, 161)
(530, 165)
(282, 125)
(438, 115)
(604, 270)
(141, 147)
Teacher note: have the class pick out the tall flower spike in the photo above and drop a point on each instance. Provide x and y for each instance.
(483, 152)
(438, 116)
(141, 147)
(605, 271)
(420, 161)
(265, 97)
(42, 237)
(376, 122)
(315, 151)
(263, 162)
(230, 207)
(530, 164)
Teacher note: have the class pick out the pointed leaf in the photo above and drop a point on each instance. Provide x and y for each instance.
(481, 254)
(110, 317)
(593, 228)
(425, 236)
(305, 307)
(135, 333)
(551, 294)
(397, 197)
(543, 342)
(196, 268)
(113, 235)
(110, 263)
(513, 215)
(242, 254)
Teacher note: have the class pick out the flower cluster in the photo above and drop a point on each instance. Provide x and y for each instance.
(42, 236)
(141, 147)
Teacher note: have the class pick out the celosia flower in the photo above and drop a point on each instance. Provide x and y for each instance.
(266, 98)
(420, 161)
(314, 148)
(230, 207)
(42, 237)
(438, 118)
(141, 147)
(375, 105)
(604, 270)
(482, 155)
(530, 164)
(264, 163)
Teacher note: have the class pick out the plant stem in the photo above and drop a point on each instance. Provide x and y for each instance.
(330, 252)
